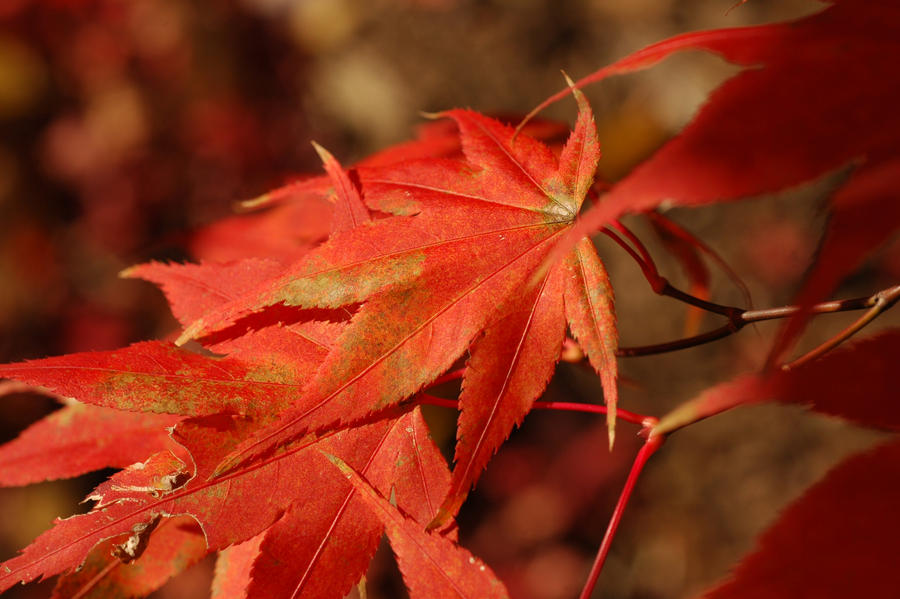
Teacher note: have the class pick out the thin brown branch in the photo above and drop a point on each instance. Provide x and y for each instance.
(879, 302)
(857, 303)
(677, 344)
(738, 318)
(730, 311)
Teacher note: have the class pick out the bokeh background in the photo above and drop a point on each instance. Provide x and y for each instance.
(126, 124)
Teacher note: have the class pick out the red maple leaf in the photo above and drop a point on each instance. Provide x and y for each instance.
(465, 256)
(816, 95)
(853, 382)
(175, 545)
(323, 315)
(833, 541)
(433, 566)
(292, 496)
(80, 438)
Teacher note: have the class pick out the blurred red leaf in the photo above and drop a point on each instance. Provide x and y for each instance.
(760, 132)
(684, 248)
(282, 232)
(856, 382)
(833, 541)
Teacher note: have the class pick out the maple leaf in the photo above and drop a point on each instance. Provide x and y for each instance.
(306, 552)
(175, 545)
(438, 139)
(852, 382)
(282, 232)
(349, 210)
(759, 132)
(233, 565)
(135, 496)
(294, 498)
(850, 519)
(193, 289)
(264, 371)
(285, 223)
(422, 478)
(65, 546)
(322, 546)
(257, 567)
(158, 377)
(470, 254)
(432, 565)
(123, 504)
(506, 365)
(80, 438)
(474, 245)
(285, 336)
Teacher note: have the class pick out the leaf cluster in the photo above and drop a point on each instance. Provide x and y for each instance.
(282, 428)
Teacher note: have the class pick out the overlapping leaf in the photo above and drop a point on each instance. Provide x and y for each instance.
(515, 356)
(761, 131)
(476, 248)
(469, 256)
(233, 565)
(433, 566)
(80, 438)
(271, 564)
(264, 372)
(436, 139)
(193, 289)
(175, 545)
(66, 545)
(159, 377)
(230, 509)
(283, 233)
(322, 546)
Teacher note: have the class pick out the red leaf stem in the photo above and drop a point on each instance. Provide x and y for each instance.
(648, 449)
(649, 270)
(638, 245)
(453, 375)
(562, 406)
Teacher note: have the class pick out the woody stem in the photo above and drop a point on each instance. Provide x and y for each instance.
(738, 318)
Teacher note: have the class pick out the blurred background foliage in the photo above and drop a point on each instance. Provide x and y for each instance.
(126, 124)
